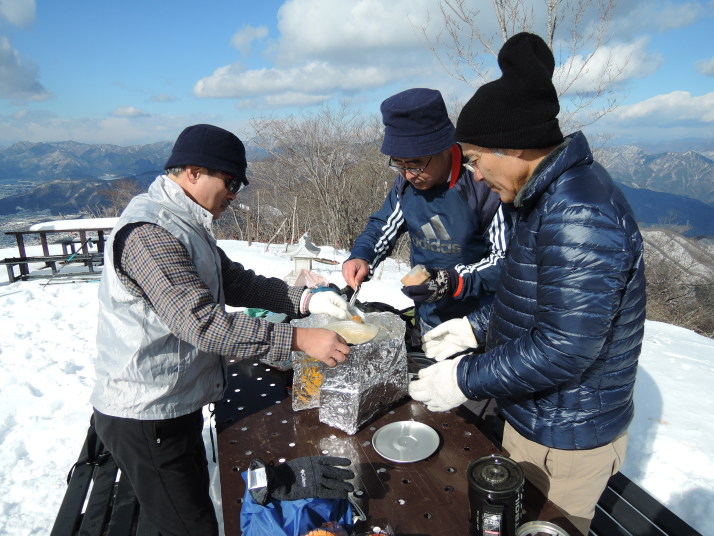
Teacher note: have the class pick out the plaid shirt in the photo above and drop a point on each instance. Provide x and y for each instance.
(154, 265)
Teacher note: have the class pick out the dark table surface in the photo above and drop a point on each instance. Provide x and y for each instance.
(426, 497)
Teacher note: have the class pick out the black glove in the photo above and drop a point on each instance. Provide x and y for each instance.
(302, 478)
(443, 282)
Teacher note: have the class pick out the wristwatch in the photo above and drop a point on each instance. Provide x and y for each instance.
(258, 481)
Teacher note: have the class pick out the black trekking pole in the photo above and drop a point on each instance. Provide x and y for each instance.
(87, 242)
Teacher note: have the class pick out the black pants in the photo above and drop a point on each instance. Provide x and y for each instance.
(165, 462)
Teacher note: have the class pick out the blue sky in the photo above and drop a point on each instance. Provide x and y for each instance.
(139, 71)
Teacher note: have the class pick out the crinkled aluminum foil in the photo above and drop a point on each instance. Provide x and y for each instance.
(373, 377)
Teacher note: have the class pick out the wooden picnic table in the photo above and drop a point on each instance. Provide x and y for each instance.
(75, 248)
(428, 497)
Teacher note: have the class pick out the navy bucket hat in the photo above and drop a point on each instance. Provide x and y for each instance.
(416, 124)
(211, 147)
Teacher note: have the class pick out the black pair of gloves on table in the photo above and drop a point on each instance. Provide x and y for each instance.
(442, 282)
(302, 478)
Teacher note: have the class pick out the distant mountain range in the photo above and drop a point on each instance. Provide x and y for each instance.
(670, 189)
(71, 160)
(689, 173)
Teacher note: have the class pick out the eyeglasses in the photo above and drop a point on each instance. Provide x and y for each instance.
(233, 184)
(469, 167)
(414, 171)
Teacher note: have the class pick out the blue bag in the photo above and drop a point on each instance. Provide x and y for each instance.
(290, 518)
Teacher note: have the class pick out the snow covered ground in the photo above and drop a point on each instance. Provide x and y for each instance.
(47, 344)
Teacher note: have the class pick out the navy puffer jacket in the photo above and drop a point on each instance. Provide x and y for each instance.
(565, 329)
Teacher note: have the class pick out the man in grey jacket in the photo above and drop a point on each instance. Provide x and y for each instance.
(164, 330)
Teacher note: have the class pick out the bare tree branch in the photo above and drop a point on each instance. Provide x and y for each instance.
(577, 31)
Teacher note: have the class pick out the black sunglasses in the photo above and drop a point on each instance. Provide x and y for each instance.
(233, 184)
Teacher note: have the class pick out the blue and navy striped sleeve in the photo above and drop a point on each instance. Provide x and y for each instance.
(383, 229)
(483, 276)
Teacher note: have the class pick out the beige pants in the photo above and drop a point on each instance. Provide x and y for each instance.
(572, 479)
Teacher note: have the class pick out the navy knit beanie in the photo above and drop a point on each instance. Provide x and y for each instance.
(210, 147)
(519, 110)
(416, 124)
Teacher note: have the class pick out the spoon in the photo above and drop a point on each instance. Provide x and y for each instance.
(357, 315)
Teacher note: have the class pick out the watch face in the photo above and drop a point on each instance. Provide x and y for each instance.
(257, 478)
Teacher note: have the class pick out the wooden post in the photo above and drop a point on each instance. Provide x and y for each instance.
(83, 242)
(46, 251)
(100, 241)
(24, 267)
(45, 247)
(249, 227)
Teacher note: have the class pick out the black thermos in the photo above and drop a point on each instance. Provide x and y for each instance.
(495, 496)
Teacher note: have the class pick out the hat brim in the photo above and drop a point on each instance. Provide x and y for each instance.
(417, 146)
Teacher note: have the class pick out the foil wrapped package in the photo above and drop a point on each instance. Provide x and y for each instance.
(371, 380)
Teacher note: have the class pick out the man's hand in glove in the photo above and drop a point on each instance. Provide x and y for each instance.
(303, 478)
(327, 300)
(437, 386)
(449, 338)
(442, 282)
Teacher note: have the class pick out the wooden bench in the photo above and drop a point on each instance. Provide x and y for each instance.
(625, 509)
(90, 261)
(98, 500)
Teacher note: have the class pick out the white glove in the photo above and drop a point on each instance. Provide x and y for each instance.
(437, 386)
(449, 338)
(330, 303)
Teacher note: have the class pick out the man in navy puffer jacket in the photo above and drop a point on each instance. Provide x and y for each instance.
(564, 332)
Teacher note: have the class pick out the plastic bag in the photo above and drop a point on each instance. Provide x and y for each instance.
(291, 518)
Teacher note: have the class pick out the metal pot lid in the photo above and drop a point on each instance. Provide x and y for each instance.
(405, 441)
(540, 528)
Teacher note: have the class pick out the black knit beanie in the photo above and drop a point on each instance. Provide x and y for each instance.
(519, 110)
(211, 147)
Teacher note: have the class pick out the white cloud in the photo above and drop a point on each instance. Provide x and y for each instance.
(631, 60)
(287, 99)
(129, 111)
(243, 38)
(355, 27)
(705, 67)
(18, 77)
(18, 12)
(366, 44)
(672, 108)
(295, 99)
(314, 76)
